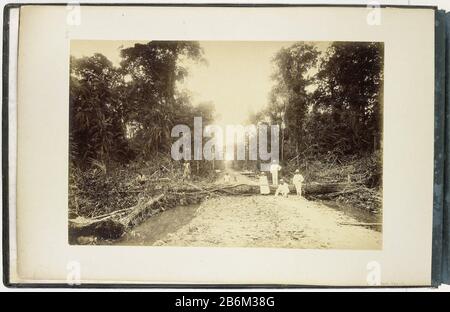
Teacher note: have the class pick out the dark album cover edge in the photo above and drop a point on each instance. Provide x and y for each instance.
(446, 210)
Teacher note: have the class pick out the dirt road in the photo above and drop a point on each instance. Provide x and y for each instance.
(255, 221)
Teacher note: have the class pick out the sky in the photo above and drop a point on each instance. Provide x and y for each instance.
(109, 48)
(236, 78)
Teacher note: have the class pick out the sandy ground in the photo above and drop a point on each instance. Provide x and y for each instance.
(255, 221)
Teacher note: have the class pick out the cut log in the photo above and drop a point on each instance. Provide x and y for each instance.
(138, 209)
(108, 226)
(325, 188)
(335, 194)
(112, 213)
(360, 224)
(248, 189)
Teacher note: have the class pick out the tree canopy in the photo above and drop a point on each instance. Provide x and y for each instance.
(118, 113)
(327, 101)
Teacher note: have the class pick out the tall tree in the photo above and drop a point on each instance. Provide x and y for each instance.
(350, 91)
(289, 96)
(152, 71)
(119, 112)
(96, 109)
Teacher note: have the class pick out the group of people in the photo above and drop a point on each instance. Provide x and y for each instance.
(282, 186)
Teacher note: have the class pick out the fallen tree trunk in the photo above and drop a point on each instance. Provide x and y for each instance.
(121, 211)
(360, 224)
(326, 188)
(138, 209)
(109, 226)
(308, 189)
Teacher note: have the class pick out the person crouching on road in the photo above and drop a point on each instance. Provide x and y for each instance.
(264, 184)
(282, 189)
(297, 180)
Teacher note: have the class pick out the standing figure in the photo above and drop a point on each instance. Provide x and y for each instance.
(274, 168)
(283, 189)
(227, 178)
(297, 180)
(187, 171)
(264, 184)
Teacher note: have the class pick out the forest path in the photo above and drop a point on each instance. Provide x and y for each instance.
(255, 221)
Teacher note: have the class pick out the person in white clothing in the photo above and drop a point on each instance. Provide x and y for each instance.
(227, 178)
(274, 168)
(297, 180)
(282, 189)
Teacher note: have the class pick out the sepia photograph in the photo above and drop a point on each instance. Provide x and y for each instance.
(267, 144)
